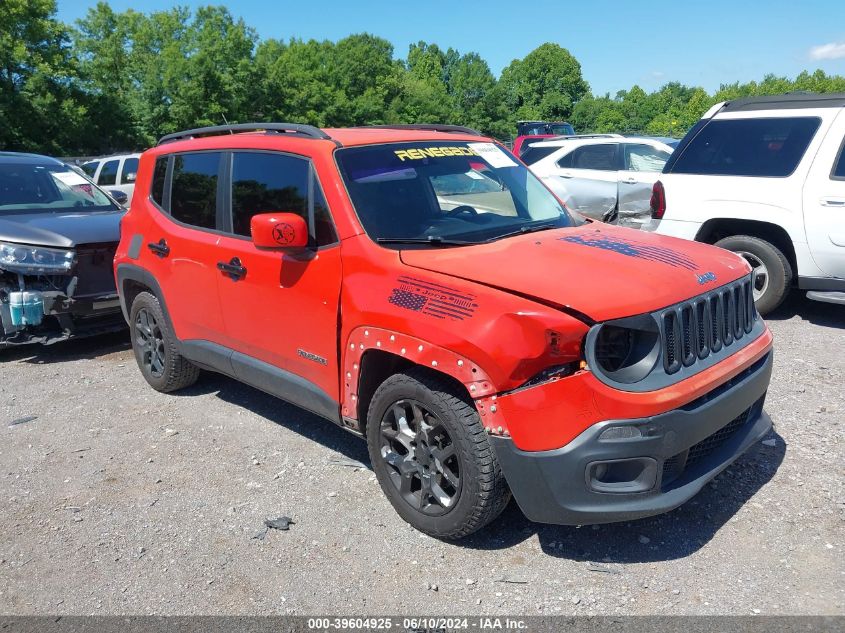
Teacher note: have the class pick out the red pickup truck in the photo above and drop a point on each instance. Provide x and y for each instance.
(420, 287)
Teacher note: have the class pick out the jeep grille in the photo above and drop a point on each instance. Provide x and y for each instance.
(707, 323)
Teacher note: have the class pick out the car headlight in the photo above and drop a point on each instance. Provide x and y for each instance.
(21, 258)
(625, 350)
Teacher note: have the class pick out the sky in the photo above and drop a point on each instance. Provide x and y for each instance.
(619, 44)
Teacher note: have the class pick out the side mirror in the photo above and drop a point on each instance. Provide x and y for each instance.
(279, 230)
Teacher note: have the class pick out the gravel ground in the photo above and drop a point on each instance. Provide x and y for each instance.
(121, 500)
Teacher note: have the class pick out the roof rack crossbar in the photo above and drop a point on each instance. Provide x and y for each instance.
(427, 127)
(289, 128)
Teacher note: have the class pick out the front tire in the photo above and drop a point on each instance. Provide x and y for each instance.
(432, 457)
(771, 270)
(156, 352)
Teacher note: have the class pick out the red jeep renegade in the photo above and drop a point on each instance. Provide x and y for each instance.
(418, 286)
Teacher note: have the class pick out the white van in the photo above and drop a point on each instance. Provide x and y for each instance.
(765, 178)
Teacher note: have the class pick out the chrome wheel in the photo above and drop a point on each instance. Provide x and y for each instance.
(759, 274)
(150, 342)
(422, 461)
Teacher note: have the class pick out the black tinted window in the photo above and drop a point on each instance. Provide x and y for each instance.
(601, 157)
(159, 174)
(193, 197)
(531, 155)
(563, 128)
(323, 225)
(839, 168)
(264, 183)
(108, 174)
(130, 171)
(748, 147)
(90, 168)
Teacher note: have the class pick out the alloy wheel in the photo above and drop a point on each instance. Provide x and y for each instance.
(150, 342)
(759, 274)
(421, 457)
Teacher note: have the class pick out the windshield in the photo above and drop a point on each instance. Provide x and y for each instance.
(561, 129)
(445, 191)
(25, 187)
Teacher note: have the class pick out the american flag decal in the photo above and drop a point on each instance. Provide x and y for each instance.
(632, 248)
(432, 299)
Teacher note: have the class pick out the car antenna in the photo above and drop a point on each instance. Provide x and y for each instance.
(226, 122)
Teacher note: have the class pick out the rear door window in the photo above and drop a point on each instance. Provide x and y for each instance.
(90, 168)
(193, 195)
(640, 157)
(770, 147)
(108, 173)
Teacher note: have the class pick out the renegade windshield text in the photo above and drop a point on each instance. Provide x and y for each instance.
(446, 192)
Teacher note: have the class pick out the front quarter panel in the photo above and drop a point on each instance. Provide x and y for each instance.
(489, 340)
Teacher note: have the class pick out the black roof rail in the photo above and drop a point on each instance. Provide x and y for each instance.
(788, 101)
(427, 127)
(300, 129)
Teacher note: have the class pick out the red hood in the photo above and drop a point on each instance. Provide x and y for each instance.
(600, 270)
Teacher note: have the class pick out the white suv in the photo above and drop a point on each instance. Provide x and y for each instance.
(116, 173)
(765, 178)
(603, 176)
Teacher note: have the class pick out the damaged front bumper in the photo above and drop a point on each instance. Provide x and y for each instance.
(625, 469)
(50, 308)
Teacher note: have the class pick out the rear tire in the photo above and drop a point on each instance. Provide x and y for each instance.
(156, 351)
(432, 457)
(772, 270)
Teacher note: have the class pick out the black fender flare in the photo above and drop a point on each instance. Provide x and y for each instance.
(131, 272)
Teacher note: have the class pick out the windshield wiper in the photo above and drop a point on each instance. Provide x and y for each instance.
(528, 228)
(433, 240)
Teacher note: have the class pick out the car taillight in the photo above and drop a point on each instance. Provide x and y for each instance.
(658, 201)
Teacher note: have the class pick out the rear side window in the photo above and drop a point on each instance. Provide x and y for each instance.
(640, 157)
(193, 195)
(90, 168)
(130, 171)
(600, 157)
(838, 172)
(108, 174)
(159, 177)
(770, 147)
(265, 182)
(531, 155)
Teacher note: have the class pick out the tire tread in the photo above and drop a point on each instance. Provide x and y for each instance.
(494, 494)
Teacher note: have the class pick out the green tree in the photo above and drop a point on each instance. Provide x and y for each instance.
(42, 108)
(545, 84)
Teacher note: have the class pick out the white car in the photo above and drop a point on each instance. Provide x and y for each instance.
(115, 173)
(603, 176)
(765, 177)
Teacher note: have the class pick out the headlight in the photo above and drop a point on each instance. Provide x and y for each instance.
(20, 258)
(625, 350)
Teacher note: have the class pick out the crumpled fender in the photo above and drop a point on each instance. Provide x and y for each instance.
(416, 350)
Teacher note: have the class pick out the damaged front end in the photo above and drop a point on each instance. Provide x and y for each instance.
(50, 294)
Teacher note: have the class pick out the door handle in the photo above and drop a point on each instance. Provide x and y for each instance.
(160, 248)
(234, 269)
(630, 181)
(565, 174)
(832, 202)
